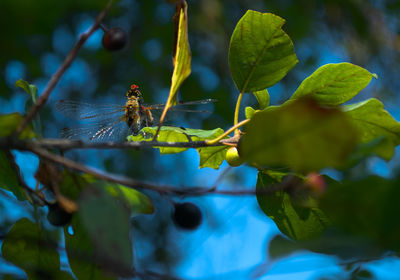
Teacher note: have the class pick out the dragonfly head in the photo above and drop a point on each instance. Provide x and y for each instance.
(134, 92)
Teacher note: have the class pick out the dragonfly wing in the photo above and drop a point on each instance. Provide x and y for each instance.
(115, 130)
(181, 105)
(197, 102)
(87, 111)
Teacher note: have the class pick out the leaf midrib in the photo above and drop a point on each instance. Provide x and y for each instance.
(255, 64)
(326, 86)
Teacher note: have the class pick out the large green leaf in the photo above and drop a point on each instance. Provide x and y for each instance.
(107, 224)
(100, 246)
(260, 52)
(302, 135)
(297, 216)
(8, 178)
(81, 254)
(374, 123)
(73, 184)
(137, 202)
(331, 242)
(209, 156)
(334, 84)
(9, 122)
(367, 208)
(27, 246)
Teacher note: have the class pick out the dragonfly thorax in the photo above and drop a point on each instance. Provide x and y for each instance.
(132, 113)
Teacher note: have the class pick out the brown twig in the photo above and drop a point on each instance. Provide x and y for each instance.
(77, 144)
(141, 185)
(38, 149)
(60, 71)
(66, 144)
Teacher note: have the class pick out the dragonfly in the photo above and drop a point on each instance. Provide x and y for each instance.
(115, 121)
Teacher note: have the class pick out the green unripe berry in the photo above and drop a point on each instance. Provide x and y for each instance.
(232, 157)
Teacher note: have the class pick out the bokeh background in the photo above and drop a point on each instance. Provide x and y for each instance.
(232, 242)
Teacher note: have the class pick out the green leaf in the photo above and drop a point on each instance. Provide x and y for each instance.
(29, 89)
(8, 178)
(26, 246)
(262, 98)
(302, 135)
(137, 202)
(249, 112)
(107, 224)
(73, 184)
(81, 254)
(8, 124)
(372, 123)
(296, 215)
(365, 150)
(369, 209)
(167, 134)
(330, 242)
(260, 52)
(33, 93)
(334, 84)
(182, 55)
(209, 156)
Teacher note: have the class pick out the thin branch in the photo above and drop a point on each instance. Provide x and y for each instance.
(66, 144)
(78, 144)
(142, 185)
(226, 133)
(61, 70)
(37, 148)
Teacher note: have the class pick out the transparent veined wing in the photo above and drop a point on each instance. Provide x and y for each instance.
(104, 130)
(88, 111)
(182, 106)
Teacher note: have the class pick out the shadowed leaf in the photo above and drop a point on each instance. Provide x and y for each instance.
(375, 124)
(27, 246)
(297, 216)
(302, 135)
(8, 178)
(9, 122)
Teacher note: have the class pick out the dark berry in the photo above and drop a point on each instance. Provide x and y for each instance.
(187, 215)
(57, 216)
(114, 39)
